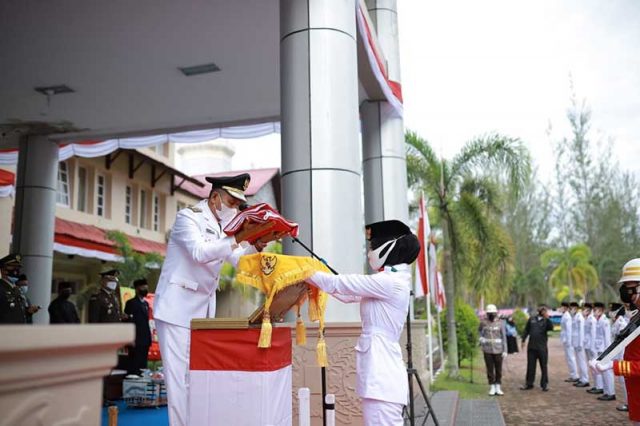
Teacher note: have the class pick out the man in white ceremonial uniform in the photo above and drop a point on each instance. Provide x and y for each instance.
(620, 321)
(601, 342)
(565, 338)
(384, 302)
(577, 340)
(187, 286)
(589, 338)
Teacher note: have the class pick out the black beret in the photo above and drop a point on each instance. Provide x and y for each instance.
(615, 306)
(587, 305)
(574, 304)
(598, 305)
(140, 282)
(234, 185)
(565, 304)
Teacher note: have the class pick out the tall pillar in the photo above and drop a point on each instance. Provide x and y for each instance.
(383, 149)
(35, 211)
(321, 164)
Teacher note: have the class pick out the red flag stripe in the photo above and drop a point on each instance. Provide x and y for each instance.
(237, 350)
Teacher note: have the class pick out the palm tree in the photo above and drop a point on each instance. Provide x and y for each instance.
(571, 268)
(476, 250)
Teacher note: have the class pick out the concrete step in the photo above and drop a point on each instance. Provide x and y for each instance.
(476, 412)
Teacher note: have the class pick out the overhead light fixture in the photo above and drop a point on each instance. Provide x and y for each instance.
(54, 90)
(199, 69)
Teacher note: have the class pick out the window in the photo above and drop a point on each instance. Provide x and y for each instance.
(100, 195)
(156, 212)
(82, 189)
(143, 209)
(63, 184)
(127, 205)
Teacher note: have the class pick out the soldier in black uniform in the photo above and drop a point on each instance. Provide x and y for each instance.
(12, 309)
(536, 329)
(61, 310)
(137, 310)
(104, 305)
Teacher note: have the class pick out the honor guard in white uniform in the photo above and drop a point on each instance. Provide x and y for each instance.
(187, 286)
(565, 338)
(601, 342)
(384, 302)
(617, 315)
(589, 336)
(577, 340)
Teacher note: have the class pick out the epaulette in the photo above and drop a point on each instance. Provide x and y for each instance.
(195, 209)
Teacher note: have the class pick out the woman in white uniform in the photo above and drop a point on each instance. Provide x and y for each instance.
(384, 303)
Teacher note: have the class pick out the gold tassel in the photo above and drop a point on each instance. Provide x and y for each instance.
(265, 332)
(321, 352)
(301, 332)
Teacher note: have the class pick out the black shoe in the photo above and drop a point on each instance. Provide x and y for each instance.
(595, 391)
(545, 389)
(623, 407)
(570, 380)
(606, 397)
(581, 384)
(526, 387)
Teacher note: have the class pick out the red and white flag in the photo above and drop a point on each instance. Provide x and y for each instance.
(233, 382)
(424, 236)
(439, 296)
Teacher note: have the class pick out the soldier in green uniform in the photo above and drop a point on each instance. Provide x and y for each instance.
(12, 310)
(104, 305)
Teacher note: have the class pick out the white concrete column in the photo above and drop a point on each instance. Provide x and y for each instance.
(383, 149)
(35, 211)
(321, 161)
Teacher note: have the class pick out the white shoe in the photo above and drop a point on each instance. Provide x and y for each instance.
(499, 390)
(492, 391)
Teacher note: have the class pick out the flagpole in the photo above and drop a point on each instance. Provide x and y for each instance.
(427, 300)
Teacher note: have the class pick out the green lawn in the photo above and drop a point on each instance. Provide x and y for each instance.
(467, 390)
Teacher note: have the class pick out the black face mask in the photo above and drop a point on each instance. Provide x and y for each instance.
(143, 293)
(626, 293)
(491, 316)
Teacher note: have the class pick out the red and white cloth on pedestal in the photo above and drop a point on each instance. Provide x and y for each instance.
(233, 382)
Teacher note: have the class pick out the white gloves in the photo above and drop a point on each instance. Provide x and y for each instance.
(504, 355)
(599, 367)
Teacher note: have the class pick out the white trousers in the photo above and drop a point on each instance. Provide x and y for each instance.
(381, 413)
(570, 356)
(581, 362)
(174, 348)
(597, 377)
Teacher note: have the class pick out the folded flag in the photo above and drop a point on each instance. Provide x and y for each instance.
(260, 222)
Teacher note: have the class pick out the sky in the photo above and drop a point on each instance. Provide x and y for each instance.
(471, 68)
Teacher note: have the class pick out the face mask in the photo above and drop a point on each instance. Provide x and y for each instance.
(111, 285)
(626, 293)
(143, 293)
(24, 289)
(375, 261)
(225, 213)
(491, 316)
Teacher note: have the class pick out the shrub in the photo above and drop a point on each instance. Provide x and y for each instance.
(467, 324)
(520, 318)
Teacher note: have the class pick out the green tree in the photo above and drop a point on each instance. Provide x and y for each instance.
(571, 268)
(467, 325)
(134, 265)
(476, 249)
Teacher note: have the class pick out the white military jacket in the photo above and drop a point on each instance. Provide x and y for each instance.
(589, 332)
(565, 329)
(196, 250)
(602, 335)
(577, 330)
(384, 303)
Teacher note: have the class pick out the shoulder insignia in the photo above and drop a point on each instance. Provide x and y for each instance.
(195, 209)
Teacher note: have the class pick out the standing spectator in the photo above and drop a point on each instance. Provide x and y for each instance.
(493, 340)
(137, 311)
(512, 336)
(104, 305)
(61, 310)
(12, 310)
(29, 308)
(536, 329)
(565, 336)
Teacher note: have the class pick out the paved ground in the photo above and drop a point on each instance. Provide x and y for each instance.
(563, 404)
